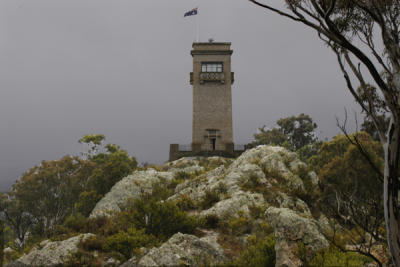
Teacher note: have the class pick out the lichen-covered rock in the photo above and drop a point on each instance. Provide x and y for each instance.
(264, 166)
(182, 250)
(237, 203)
(295, 204)
(291, 229)
(52, 253)
(130, 187)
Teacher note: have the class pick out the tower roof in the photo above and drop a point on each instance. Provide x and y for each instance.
(211, 48)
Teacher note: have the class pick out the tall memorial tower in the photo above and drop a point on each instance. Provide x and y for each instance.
(212, 97)
(212, 80)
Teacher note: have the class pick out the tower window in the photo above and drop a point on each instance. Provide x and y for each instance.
(211, 67)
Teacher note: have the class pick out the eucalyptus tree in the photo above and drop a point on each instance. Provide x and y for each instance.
(365, 36)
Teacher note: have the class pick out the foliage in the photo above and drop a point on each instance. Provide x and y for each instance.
(211, 221)
(146, 223)
(185, 203)
(240, 225)
(307, 151)
(272, 136)
(364, 35)
(260, 253)
(75, 222)
(18, 221)
(106, 168)
(47, 192)
(161, 219)
(86, 201)
(93, 141)
(126, 242)
(110, 167)
(369, 126)
(352, 188)
(334, 257)
(210, 198)
(293, 132)
(347, 177)
(92, 243)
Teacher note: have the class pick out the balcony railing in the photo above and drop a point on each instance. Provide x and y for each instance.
(212, 77)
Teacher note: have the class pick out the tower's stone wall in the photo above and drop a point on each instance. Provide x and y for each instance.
(212, 100)
(212, 105)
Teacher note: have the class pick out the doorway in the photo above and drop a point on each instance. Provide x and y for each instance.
(213, 143)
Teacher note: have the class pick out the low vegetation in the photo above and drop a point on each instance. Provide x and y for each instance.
(53, 201)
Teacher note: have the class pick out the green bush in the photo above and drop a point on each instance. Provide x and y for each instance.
(161, 190)
(240, 225)
(161, 219)
(222, 188)
(75, 222)
(211, 221)
(92, 243)
(126, 242)
(211, 197)
(185, 203)
(334, 257)
(256, 211)
(258, 254)
(182, 175)
(87, 201)
(59, 233)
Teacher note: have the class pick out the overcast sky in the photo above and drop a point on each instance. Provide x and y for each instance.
(121, 68)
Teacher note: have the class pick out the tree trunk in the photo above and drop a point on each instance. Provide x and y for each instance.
(391, 189)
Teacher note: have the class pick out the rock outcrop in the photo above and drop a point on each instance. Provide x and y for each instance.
(290, 229)
(130, 187)
(50, 253)
(182, 250)
(263, 178)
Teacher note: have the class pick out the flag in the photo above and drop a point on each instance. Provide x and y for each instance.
(191, 12)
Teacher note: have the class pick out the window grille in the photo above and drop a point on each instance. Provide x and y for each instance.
(211, 67)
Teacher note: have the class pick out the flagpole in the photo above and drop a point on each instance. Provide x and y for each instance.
(197, 28)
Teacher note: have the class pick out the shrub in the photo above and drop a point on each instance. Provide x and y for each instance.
(161, 219)
(182, 175)
(126, 242)
(211, 197)
(92, 243)
(222, 188)
(98, 225)
(256, 211)
(240, 225)
(87, 201)
(273, 173)
(185, 203)
(334, 257)
(59, 233)
(211, 221)
(75, 222)
(260, 253)
(161, 190)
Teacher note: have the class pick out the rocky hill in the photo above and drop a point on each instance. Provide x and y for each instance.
(242, 205)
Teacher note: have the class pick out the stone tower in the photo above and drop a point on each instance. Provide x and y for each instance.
(212, 104)
(212, 97)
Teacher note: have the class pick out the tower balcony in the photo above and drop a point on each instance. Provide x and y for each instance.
(212, 77)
